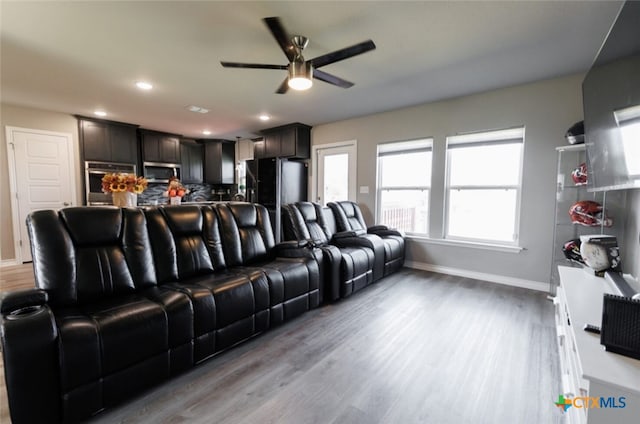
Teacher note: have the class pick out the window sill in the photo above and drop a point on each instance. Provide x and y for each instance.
(469, 244)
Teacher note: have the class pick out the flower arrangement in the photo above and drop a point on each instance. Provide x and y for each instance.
(175, 188)
(118, 183)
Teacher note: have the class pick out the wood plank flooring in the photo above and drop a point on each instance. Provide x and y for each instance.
(416, 347)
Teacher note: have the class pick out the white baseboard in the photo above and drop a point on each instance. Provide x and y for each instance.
(493, 278)
(8, 262)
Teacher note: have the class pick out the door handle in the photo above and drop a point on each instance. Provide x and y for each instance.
(66, 204)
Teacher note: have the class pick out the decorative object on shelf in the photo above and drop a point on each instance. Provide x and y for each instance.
(600, 252)
(575, 134)
(124, 188)
(571, 250)
(579, 175)
(175, 191)
(589, 214)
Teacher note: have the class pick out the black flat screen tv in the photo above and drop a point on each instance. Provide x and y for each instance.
(611, 96)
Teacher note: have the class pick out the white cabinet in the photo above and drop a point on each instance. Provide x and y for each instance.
(587, 370)
(568, 193)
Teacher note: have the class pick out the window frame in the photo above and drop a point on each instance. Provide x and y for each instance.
(380, 188)
(487, 138)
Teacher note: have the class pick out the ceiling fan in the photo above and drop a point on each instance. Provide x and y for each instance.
(300, 71)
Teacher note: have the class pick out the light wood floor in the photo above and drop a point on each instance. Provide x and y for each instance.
(416, 347)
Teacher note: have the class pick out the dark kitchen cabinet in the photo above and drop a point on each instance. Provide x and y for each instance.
(219, 161)
(288, 141)
(192, 161)
(107, 141)
(258, 149)
(160, 147)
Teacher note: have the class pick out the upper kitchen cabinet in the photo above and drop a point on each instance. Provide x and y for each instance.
(288, 141)
(219, 161)
(160, 147)
(191, 161)
(244, 149)
(107, 141)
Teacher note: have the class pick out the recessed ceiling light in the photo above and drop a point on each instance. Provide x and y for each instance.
(100, 113)
(143, 85)
(206, 132)
(264, 117)
(197, 109)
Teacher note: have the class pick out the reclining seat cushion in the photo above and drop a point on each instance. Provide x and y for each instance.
(249, 245)
(347, 221)
(229, 306)
(349, 217)
(102, 345)
(356, 268)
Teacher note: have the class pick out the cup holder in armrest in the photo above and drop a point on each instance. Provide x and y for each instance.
(27, 311)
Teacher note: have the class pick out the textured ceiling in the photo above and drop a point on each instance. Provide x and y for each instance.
(76, 57)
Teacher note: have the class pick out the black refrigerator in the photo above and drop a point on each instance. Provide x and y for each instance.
(273, 182)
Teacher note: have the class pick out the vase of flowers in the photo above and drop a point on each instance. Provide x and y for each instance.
(175, 191)
(124, 188)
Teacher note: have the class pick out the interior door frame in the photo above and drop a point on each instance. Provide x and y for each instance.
(353, 164)
(13, 183)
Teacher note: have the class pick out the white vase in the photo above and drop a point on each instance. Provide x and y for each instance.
(125, 199)
(176, 200)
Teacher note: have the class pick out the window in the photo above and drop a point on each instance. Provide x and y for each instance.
(483, 185)
(404, 181)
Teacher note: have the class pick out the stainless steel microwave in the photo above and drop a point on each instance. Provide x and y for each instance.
(159, 172)
(94, 171)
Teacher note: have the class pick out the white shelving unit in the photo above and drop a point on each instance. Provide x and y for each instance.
(587, 370)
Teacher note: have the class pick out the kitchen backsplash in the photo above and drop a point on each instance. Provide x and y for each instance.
(197, 193)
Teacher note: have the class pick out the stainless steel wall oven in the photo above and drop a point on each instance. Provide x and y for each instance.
(94, 171)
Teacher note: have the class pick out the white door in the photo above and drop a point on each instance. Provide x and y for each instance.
(41, 173)
(336, 176)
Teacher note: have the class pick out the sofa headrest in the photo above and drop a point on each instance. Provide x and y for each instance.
(184, 220)
(93, 226)
(245, 214)
(308, 211)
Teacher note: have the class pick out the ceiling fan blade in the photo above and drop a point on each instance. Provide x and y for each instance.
(253, 65)
(342, 54)
(281, 36)
(283, 87)
(331, 79)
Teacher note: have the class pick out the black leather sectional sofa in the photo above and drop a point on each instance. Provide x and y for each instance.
(127, 298)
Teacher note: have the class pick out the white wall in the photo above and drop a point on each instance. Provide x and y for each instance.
(16, 116)
(546, 108)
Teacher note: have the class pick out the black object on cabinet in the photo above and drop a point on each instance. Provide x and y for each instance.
(274, 182)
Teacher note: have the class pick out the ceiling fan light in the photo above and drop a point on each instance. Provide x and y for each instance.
(300, 75)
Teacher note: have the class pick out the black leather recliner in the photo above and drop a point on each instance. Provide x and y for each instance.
(127, 298)
(349, 218)
(348, 267)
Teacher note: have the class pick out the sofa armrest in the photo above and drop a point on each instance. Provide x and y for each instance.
(384, 231)
(348, 234)
(18, 302)
(29, 341)
(375, 228)
(295, 249)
